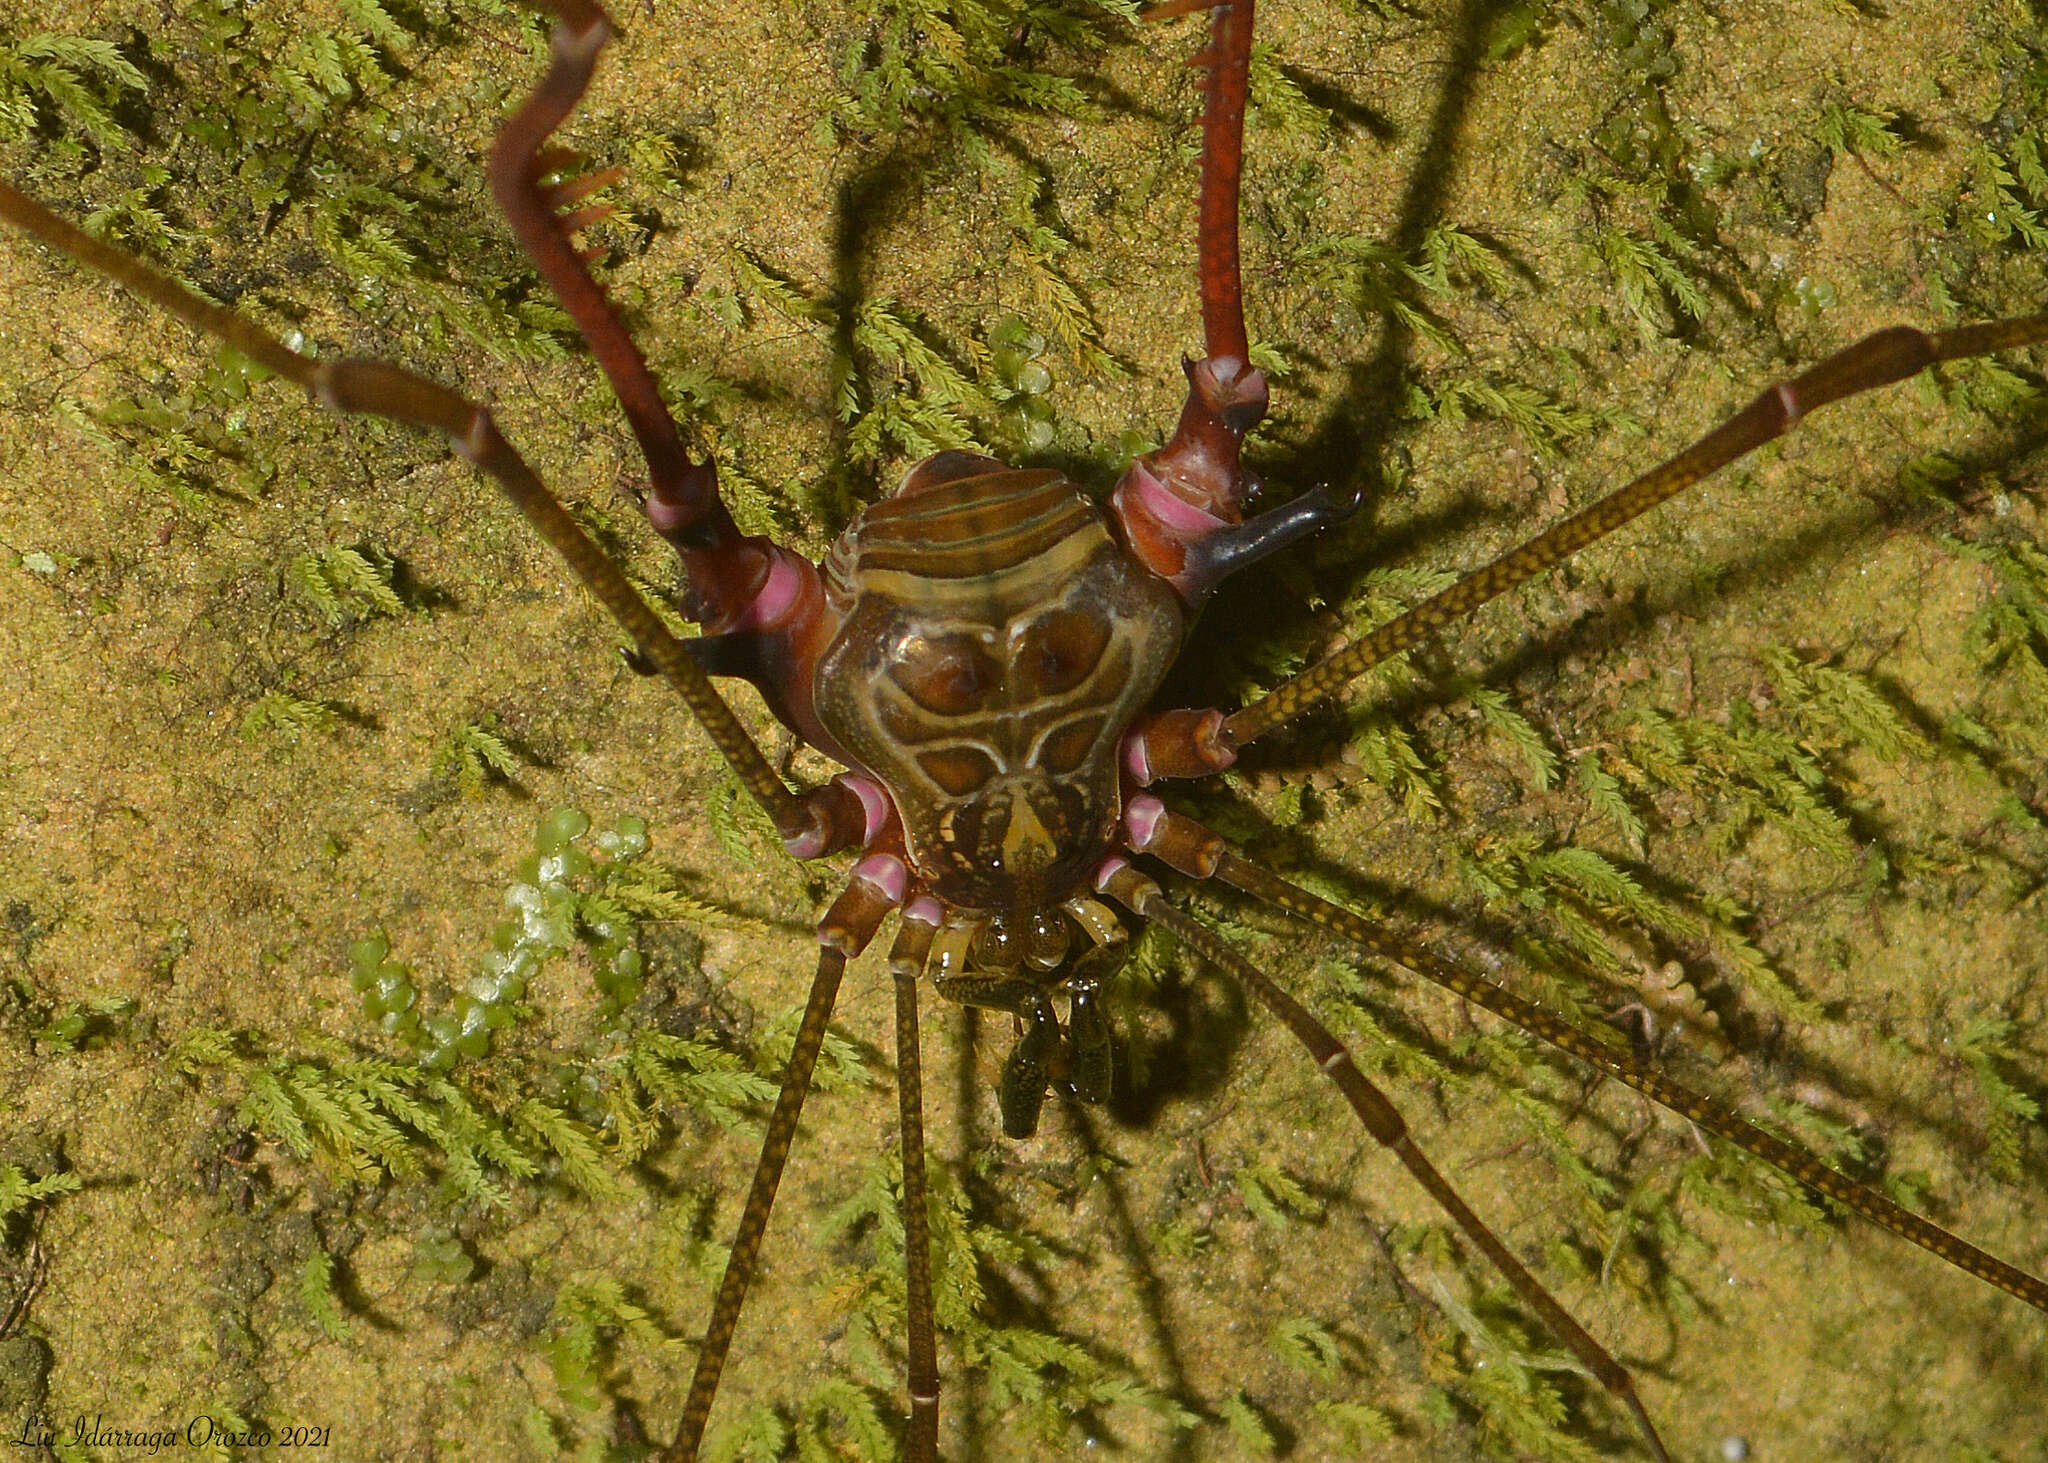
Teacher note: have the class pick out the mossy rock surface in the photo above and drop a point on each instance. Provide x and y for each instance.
(1605, 226)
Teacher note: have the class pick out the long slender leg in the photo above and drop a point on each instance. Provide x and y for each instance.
(1876, 360)
(813, 824)
(1193, 850)
(875, 887)
(746, 1244)
(1380, 1118)
(374, 387)
(762, 605)
(906, 963)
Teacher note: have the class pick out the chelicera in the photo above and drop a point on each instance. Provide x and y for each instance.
(981, 651)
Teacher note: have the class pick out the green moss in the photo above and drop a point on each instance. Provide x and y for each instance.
(473, 757)
(19, 1193)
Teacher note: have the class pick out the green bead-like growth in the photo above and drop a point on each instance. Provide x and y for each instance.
(559, 829)
(366, 955)
(440, 1256)
(624, 841)
(557, 901)
(1015, 350)
(385, 985)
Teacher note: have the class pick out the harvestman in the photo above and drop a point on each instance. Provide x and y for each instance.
(979, 651)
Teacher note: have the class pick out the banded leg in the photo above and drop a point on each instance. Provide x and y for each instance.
(1191, 849)
(875, 887)
(1387, 1127)
(906, 963)
(1879, 359)
(819, 821)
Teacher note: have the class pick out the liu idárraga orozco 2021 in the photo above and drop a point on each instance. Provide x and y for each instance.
(342, 1097)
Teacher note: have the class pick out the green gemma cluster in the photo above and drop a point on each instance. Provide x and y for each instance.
(1015, 349)
(559, 900)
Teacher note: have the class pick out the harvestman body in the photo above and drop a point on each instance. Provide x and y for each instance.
(980, 650)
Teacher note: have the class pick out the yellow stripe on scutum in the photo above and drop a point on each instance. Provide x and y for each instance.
(954, 533)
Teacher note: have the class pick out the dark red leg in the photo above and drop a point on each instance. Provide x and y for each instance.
(1229, 62)
(1226, 397)
(683, 493)
(764, 604)
(1183, 506)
